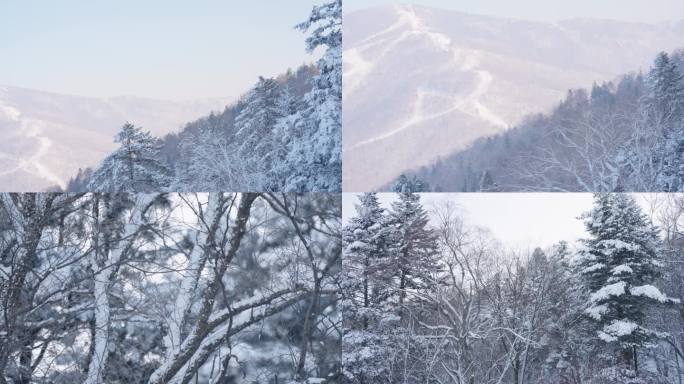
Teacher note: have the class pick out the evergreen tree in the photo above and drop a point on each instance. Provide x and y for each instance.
(666, 110)
(414, 245)
(414, 184)
(254, 138)
(79, 183)
(315, 151)
(134, 166)
(619, 263)
(366, 318)
(667, 99)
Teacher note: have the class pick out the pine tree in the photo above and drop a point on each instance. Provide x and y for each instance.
(667, 99)
(289, 106)
(366, 320)
(254, 138)
(618, 265)
(414, 245)
(315, 151)
(134, 166)
(666, 110)
(414, 184)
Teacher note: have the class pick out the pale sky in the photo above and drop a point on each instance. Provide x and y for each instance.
(551, 10)
(518, 220)
(168, 49)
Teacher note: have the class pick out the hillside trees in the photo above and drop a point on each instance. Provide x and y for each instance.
(619, 136)
(283, 135)
(134, 167)
(619, 266)
(595, 312)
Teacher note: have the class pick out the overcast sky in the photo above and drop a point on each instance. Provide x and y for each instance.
(172, 49)
(551, 10)
(519, 220)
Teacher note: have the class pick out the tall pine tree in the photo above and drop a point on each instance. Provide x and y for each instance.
(414, 245)
(254, 137)
(666, 112)
(134, 166)
(315, 151)
(367, 318)
(619, 264)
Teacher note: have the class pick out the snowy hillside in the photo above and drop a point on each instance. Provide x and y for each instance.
(46, 137)
(421, 83)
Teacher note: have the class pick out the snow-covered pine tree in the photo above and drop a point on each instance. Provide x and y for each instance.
(315, 151)
(667, 99)
(289, 106)
(666, 110)
(134, 166)
(414, 246)
(413, 184)
(254, 137)
(618, 265)
(366, 319)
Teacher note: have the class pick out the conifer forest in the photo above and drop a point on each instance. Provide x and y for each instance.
(428, 297)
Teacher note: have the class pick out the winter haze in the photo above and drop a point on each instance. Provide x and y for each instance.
(421, 83)
(518, 220)
(46, 137)
(78, 72)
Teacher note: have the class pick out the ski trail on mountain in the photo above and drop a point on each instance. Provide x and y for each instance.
(472, 104)
(32, 129)
(467, 61)
(382, 42)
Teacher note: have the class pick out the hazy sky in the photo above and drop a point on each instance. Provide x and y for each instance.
(173, 49)
(551, 10)
(519, 220)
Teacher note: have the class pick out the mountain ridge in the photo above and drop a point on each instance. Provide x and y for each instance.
(47, 136)
(419, 81)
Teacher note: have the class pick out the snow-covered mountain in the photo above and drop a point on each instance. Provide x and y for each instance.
(46, 137)
(420, 83)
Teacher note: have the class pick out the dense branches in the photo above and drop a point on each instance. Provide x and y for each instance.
(481, 313)
(283, 135)
(169, 288)
(623, 136)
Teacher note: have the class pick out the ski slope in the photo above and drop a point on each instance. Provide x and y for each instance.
(421, 83)
(46, 137)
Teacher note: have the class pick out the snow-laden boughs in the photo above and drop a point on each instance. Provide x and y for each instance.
(619, 263)
(314, 154)
(173, 288)
(596, 312)
(134, 167)
(367, 288)
(283, 135)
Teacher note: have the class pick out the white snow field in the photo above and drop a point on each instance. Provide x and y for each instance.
(46, 137)
(421, 83)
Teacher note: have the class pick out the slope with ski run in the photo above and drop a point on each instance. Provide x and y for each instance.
(421, 83)
(46, 137)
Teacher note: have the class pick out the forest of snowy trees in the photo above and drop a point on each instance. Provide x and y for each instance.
(623, 136)
(428, 298)
(169, 288)
(284, 135)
